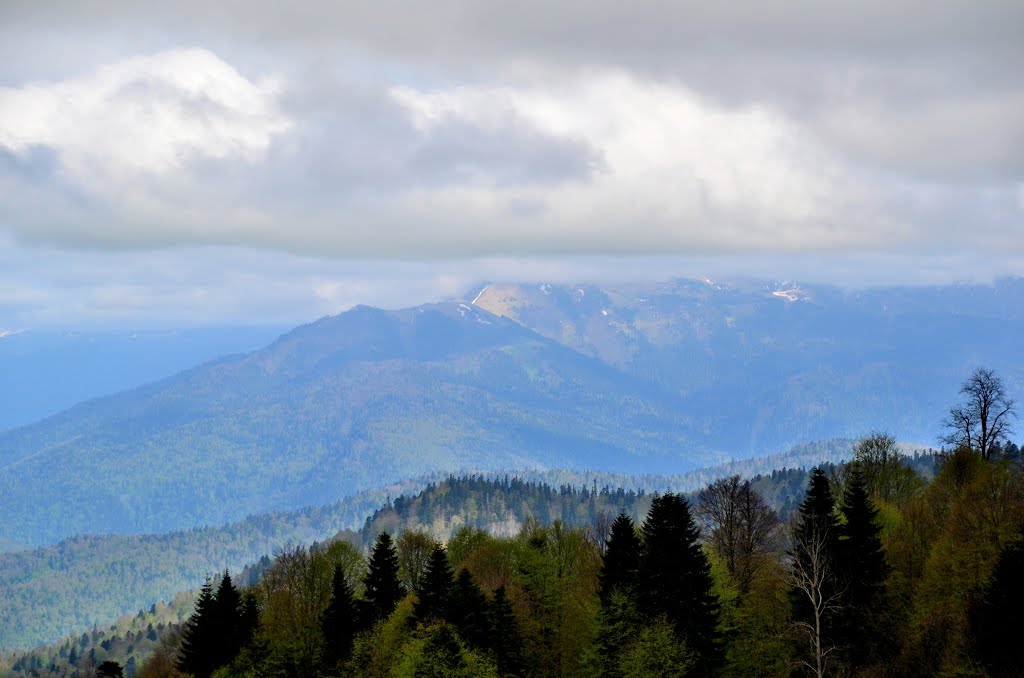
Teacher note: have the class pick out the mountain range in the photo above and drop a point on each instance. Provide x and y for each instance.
(655, 378)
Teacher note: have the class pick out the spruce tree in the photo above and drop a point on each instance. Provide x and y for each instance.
(436, 588)
(675, 579)
(339, 623)
(227, 613)
(383, 589)
(863, 570)
(507, 643)
(468, 611)
(814, 562)
(199, 643)
(621, 559)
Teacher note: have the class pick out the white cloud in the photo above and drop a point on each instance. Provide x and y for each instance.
(148, 115)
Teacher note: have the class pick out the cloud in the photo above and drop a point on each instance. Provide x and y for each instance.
(474, 131)
(180, 149)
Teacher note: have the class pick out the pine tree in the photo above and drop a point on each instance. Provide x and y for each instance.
(468, 611)
(507, 643)
(861, 623)
(383, 590)
(675, 579)
(436, 588)
(197, 654)
(339, 621)
(621, 559)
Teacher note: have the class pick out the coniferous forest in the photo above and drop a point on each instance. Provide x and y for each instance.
(880, 570)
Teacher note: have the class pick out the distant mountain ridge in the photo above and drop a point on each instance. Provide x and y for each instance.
(352, 401)
(658, 379)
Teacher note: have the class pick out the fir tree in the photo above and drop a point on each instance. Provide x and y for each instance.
(383, 590)
(621, 559)
(339, 621)
(436, 587)
(468, 611)
(861, 624)
(198, 652)
(675, 579)
(507, 643)
(227, 613)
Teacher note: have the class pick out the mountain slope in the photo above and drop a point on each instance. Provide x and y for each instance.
(765, 366)
(46, 372)
(349, 402)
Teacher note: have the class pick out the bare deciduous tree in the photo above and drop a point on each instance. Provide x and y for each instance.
(984, 419)
(812, 574)
(739, 525)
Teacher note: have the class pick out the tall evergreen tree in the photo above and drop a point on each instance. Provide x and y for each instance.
(814, 561)
(995, 625)
(436, 588)
(383, 589)
(468, 611)
(863, 570)
(199, 643)
(227, 613)
(675, 579)
(507, 643)
(250, 619)
(621, 559)
(339, 622)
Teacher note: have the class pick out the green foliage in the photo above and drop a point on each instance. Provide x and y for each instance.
(199, 643)
(438, 652)
(383, 590)
(435, 594)
(675, 579)
(468, 611)
(657, 652)
(995, 623)
(507, 644)
(863, 627)
(340, 621)
(621, 563)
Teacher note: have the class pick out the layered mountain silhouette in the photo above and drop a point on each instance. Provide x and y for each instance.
(645, 378)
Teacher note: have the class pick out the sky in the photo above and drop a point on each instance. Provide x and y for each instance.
(210, 163)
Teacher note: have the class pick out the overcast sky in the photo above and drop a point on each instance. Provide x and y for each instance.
(211, 163)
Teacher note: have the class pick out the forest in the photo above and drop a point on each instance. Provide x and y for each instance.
(888, 565)
(83, 582)
(877, 571)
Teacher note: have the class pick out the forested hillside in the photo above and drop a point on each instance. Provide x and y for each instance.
(49, 592)
(878, 572)
(538, 580)
(351, 402)
(651, 379)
